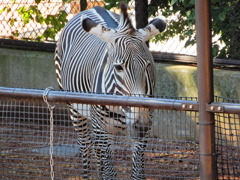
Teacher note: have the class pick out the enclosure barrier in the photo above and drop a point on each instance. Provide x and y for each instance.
(24, 22)
(189, 139)
(101, 99)
(172, 151)
(116, 100)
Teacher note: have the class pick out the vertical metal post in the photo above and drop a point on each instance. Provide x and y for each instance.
(83, 5)
(141, 13)
(205, 90)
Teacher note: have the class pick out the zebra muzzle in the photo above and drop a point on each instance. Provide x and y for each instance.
(138, 121)
(142, 128)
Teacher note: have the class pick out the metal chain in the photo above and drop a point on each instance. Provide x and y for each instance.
(50, 107)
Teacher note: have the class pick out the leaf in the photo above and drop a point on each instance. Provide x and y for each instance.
(8, 9)
(215, 50)
(189, 42)
(39, 38)
(22, 10)
(3, 9)
(15, 33)
(173, 2)
(39, 18)
(37, 1)
(188, 13)
(222, 16)
(66, 1)
(12, 21)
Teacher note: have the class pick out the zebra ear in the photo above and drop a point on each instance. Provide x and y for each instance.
(97, 29)
(155, 26)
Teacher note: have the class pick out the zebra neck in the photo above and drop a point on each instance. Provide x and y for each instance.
(100, 77)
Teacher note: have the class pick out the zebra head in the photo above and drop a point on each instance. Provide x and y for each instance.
(130, 66)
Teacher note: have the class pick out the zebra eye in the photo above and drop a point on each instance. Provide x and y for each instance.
(118, 67)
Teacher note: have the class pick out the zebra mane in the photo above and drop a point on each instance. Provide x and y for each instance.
(125, 24)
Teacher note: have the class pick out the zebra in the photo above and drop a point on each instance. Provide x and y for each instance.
(100, 51)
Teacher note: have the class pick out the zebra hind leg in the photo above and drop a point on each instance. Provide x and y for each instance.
(85, 149)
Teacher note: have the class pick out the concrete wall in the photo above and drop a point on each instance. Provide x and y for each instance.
(29, 69)
(179, 80)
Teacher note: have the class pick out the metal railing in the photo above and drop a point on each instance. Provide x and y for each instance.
(174, 142)
(185, 133)
(116, 100)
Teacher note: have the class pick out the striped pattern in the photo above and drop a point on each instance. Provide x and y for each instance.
(100, 51)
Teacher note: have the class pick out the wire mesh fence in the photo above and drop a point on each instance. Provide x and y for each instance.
(173, 147)
(40, 20)
(172, 150)
(228, 147)
(25, 131)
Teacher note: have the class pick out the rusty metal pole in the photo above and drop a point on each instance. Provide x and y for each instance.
(141, 14)
(205, 90)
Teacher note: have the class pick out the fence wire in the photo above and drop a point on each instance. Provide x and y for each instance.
(40, 20)
(228, 145)
(172, 151)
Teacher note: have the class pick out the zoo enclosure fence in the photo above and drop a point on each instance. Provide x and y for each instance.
(172, 152)
(25, 21)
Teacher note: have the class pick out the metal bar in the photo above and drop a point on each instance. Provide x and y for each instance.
(141, 13)
(101, 99)
(87, 98)
(217, 107)
(205, 90)
(160, 56)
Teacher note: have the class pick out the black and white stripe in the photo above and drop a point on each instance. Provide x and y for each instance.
(101, 52)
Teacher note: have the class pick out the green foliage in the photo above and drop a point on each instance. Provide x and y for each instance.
(114, 3)
(225, 23)
(56, 23)
(183, 23)
(32, 13)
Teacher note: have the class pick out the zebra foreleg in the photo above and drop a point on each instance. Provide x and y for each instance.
(104, 157)
(85, 149)
(138, 160)
(83, 128)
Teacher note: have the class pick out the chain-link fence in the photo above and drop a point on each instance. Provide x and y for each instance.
(25, 145)
(172, 150)
(40, 20)
(227, 141)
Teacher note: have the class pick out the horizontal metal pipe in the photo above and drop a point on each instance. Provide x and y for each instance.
(115, 100)
(218, 107)
(101, 99)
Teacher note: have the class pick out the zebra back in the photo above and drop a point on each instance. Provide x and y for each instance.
(79, 51)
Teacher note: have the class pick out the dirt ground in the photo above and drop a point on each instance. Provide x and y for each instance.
(23, 156)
